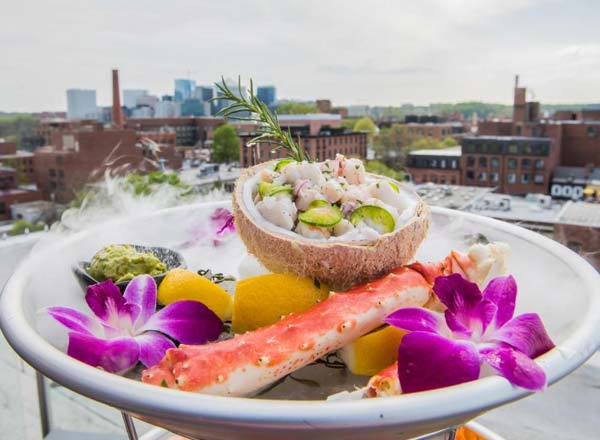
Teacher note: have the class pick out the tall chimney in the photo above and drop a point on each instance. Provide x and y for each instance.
(117, 112)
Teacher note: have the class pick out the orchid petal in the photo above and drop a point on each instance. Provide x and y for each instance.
(427, 361)
(502, 291)
(115, 355)
(515, 366)
(75, 320)
(153, 347)
(189, 322)
(525, 333)
(416, 319)
(457, 293)
(142, 291)
(107, 303)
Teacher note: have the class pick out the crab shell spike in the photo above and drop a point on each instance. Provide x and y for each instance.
(385, 383)
(338, 264)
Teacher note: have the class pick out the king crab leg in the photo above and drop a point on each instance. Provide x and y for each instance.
(247, 363)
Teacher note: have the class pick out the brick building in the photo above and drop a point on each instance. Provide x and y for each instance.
(439, 130)
(436, 166)
(10, 193)
(189, 131)
(513, 164)
(575, 134)
(19, 160)
(321, 135)
(47, 128)
(76, 157)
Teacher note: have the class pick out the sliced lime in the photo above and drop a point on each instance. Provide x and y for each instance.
(318, 203)
(266, 189)
(283, 162)
(374, 216)
(394, 187)
(324, 216)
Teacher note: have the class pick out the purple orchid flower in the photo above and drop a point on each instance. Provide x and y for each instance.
(127, 329)
(477, 327)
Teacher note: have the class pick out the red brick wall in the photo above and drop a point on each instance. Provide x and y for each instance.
(318, 147)
(8, 147)
(424, 175)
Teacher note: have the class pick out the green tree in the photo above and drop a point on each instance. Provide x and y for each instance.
(20, 226)
(226, 144)
(366, 124)
(389, 145)
(377, 167)
(296, 108)
(16, 127)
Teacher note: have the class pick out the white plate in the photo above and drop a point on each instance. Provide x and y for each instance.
(553, 281)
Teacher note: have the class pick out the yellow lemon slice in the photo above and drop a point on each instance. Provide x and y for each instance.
(373, 352)
(180, 284)
(264, 299)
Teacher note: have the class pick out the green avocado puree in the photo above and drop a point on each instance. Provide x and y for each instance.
(122, 263)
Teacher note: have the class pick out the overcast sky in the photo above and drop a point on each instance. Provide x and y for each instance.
(352, 52)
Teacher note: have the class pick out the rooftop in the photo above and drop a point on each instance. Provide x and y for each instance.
(451, 151)
(507, 138)
(580, 213)
(18, 155)
(310, 117)
(536, 208)
(451, 196)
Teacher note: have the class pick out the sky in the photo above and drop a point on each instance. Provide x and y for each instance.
(370, 52)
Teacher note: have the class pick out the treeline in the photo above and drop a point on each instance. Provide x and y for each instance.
(19, 128)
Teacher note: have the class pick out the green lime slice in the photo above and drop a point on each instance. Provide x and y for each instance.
(374, 216)
(266, 189)
(394, 187)
(283, 162)
(317, 203)
(324, 216)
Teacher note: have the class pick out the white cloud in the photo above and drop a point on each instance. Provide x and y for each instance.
(378, 52)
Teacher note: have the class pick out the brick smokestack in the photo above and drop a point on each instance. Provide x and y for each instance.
(117, 112)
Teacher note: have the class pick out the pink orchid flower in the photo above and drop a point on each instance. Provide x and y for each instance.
(127, 329)
(478, 327)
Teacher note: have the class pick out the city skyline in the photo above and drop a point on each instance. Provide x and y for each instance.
(437, 51)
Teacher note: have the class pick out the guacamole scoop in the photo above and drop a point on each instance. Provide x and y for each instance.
(122, 262)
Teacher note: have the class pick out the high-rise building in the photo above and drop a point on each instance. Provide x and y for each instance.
(184, 89)
(233, 86)
(267, 94)
(167, 108)
(81, 104)
(204, 94)
(130, 96)
(192, 107)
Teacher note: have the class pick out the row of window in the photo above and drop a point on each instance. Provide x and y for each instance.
(442, 179)
(421, 162)
(421, 132)
(511, 163)
(529, 149)
(511, 178)
(337, 140)
(52, 173)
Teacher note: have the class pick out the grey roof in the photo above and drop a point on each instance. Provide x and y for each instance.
(580, 213)
(451, 151)
(508, 138)
(450, 196)
(569, 172)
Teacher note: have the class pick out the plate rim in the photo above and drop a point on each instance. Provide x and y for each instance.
(414, 409)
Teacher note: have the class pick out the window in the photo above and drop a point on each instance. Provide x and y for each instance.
(494, 162)
(539, 179)
(454, 163)
(525, 179)
(434, 178)
(495, 149)
(430, 133)
(61, 174)
(527, 149)
(539, 164)
(442, 179)
(443, 163)
(512, 164)
(433, 163)
(470, 176)
(513, 149)
(525, 164)
(511, 178)
(52, 184)
(52, 172)
(592, 132)
(482, 176)
(483, 162)
(453, 180)
(482, 148)
(495, 177)
(470, 161)
(469, 148)
(2, 208)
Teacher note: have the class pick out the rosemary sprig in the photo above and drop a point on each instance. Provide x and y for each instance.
(269, 129)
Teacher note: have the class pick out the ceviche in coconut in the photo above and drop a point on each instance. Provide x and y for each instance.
(330, 200)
